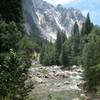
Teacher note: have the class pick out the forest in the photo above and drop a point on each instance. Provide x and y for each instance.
(17, 48)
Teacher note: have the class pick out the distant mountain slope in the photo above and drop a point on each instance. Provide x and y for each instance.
(45, 19)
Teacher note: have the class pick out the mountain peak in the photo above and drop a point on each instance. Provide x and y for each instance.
(50, 19)
(59, 6)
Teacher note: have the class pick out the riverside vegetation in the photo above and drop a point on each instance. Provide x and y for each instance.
(16, 49)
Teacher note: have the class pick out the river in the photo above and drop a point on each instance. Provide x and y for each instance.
(55, 83)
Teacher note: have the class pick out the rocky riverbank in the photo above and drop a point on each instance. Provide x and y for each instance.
(55, 83)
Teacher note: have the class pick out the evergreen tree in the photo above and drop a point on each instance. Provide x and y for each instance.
(75, 43)
(12, 77)
(75, 30)
(58, 47)
(76, 38)
(61, 38)
(12, 65)
(11, 10)
(9, 36)
(64, 55)
(42, 54)
(87, 26)
(85, 31)
(91, 58)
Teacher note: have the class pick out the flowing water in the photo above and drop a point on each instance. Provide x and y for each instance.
(52, 83)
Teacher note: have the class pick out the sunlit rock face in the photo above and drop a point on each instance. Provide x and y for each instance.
(46, 19)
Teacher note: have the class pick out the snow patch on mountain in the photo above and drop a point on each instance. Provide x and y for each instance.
(49, 19)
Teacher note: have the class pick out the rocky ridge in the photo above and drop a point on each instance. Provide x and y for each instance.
(46, 19)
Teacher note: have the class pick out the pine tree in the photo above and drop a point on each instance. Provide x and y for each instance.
(75, 45)
(11, 10)
(42, 54)
(12, 65)
(87, 26)
(9, 36)
(75, 30)
(61, 38)
(64, 55)
(76, 39)
(58, 47)
(12, 77)
(91, 59)
(85, 31)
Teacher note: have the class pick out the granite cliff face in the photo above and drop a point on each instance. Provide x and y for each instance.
(46, 19)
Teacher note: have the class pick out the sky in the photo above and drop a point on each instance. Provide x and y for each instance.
(85, 6)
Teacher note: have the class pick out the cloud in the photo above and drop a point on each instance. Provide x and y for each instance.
(55, 2)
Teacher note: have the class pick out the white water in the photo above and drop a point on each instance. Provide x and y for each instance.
(55, 82)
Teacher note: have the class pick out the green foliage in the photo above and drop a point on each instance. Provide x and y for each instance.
(9, 36)
(49, 97)
(58, 47)
(91, 59)
(51, 53)
(5, 98)
(27, 44)
(11, 10)
(65, 55)
(64, 52)
(98, 90)
(61, 38)
(75, 30)
(44, 71)
(12, 76)
(13, 65)
(47, 54)
(87, 26)
(85, 31)
(75, 45)
(91, 52)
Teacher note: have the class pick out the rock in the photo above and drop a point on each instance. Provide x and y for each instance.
(54, 71)
(74, 67)
(56, 67)
(46, 76)
(62, 74)
(83, 96)
(66, 82)
(58, 85)
(40, 75)
(51, 75)
(37, 80)
(76, 99)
